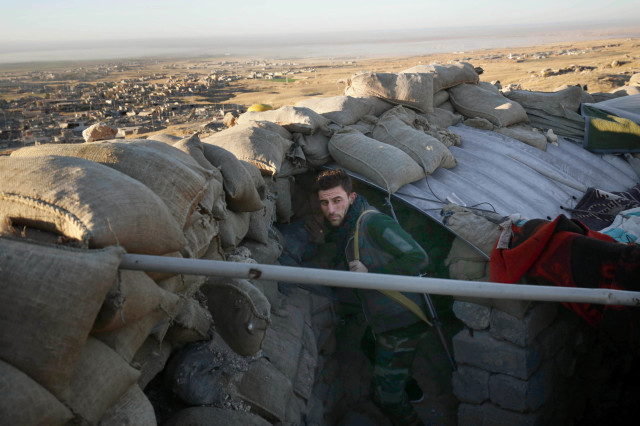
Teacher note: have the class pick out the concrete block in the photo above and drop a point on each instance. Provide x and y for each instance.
(470, 414)
(496, 416)
(560, 334)
(517, 308)
(522, 395)
(497, 356)
(522, 331)
(472, 315)
(471, 384)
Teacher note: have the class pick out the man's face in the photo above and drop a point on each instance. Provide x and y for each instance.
(334, 203)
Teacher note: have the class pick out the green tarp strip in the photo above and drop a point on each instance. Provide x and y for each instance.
(607, 133)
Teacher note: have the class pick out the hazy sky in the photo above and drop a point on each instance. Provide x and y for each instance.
(75, 20)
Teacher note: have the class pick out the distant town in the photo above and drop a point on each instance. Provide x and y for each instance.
(56, 106)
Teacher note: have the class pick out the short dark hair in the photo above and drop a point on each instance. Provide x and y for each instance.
(331, 178)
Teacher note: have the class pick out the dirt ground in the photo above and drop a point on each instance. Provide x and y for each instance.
(601, 65)
(597, 65)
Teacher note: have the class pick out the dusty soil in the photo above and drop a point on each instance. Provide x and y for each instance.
(601, 65)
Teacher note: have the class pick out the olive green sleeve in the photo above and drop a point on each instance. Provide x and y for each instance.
(408, 257)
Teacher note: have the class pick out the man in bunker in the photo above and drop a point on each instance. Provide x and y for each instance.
(361, 239)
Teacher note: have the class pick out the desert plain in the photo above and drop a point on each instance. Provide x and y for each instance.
(598, 65)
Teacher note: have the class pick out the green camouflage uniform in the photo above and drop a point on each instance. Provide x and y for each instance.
(385, 248)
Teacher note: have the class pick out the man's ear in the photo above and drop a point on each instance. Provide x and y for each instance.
(352, 197)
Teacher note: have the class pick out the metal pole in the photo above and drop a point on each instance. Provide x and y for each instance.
(379, 281)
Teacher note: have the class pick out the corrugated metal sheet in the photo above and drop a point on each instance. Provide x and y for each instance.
(505, 176)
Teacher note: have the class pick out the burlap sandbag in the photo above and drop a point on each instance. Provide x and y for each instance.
(410, 89)
(473, 101)
(131, 297)
(256, 177)
(152, 358)
(243, 327)
(87, 202)
(282, 343)
(363, 127)
(570, 98)
(50, 297)
(215, 250)
(315, 148)
(474, 228)
(294, 119)
(281, 187)
(234, 228)
(344, 110)
(524, 134)
(273, 127)
(191, 324)
(173, 175)
(183, 284)
(289, 168)
(24, 402)
(214, 201)
(440, 97)
(465, 263)
(128, 339)
(192, 145)
(165, 138)
(267, 390)
(199, 235)
(259, 146)
(425, 150)
(447, 75)
(261, 220)
(203, 416)
(99, 380)
(264, 253)
(441, 118)
(385, 165)
(447, 106)
(241, 194)
(133, 408)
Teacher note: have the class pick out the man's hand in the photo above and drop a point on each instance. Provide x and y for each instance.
(357, 266)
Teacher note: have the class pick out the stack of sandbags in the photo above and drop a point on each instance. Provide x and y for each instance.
(396, 127)
(385, 165)
(414, 90)
(447, 75)
(144, 196)
(466, 262)
(553, 110)
(293, 118)
(473, 100)
(342, 110)
(50, 296)
(116, 330)
(444, 77)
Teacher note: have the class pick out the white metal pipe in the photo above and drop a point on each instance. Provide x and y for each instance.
(372, 281)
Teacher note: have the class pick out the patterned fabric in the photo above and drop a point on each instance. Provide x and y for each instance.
(597, 209)
(394, 353)
(566, 253)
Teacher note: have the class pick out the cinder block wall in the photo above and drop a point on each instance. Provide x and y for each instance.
(517, 363)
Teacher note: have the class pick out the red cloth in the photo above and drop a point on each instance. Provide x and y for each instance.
(566, 253)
